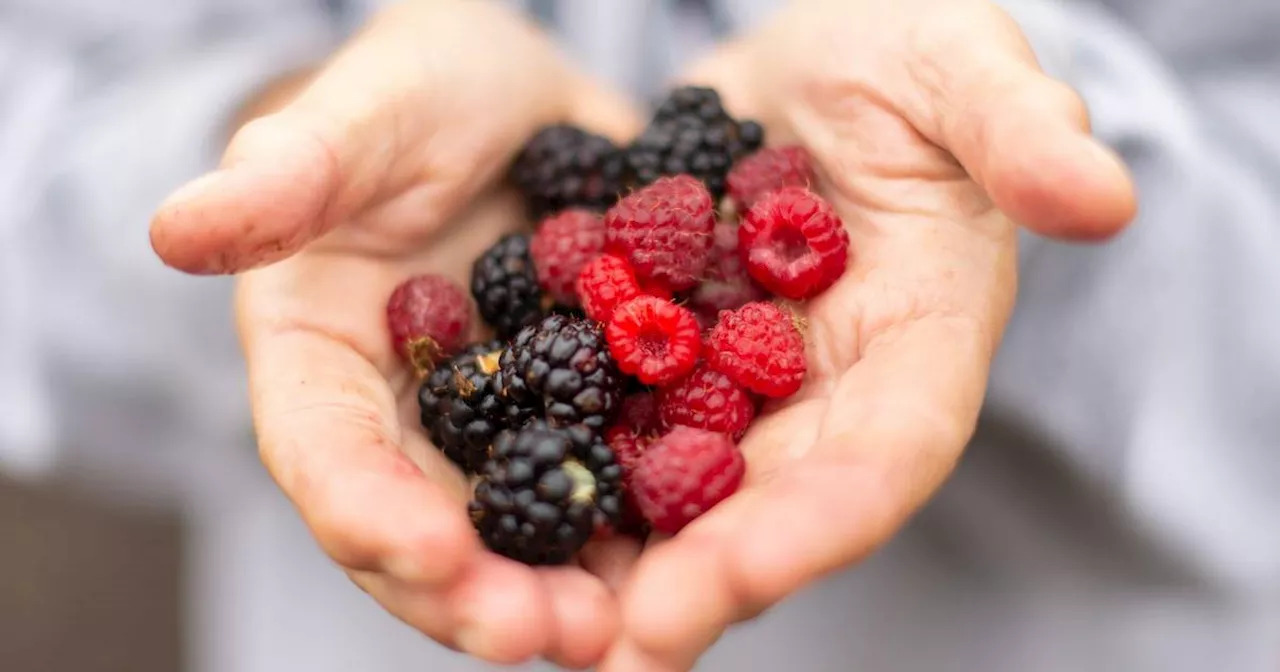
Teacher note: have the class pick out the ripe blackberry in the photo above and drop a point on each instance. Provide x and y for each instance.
(461, 409)
(564, 166)
(504, 284)
(563, 366)
(691, 133)
(544, 492)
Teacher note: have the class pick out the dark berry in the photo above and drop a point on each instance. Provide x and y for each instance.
(504, 283)
(563, 167)
(563, 365)
(461, 409)
(691, 133)
(544, 492)
(428, 317)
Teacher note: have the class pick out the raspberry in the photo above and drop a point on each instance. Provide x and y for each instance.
(794, 243)
(683, 475)
(544, 492)
(605, 283)
(654, 340)
(563, 365)
(707, 399)
(727, 284)
(505, 286)
(561, 247)
(769, 170)
(429, 317)
(760, 348)
(664, 231)
(567, 167)
(691, 133)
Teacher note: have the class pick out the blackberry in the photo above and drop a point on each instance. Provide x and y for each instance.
(691, 133)
(563, 366)
(564, 166)
(461, 409)
(504, 284)
(544, 493)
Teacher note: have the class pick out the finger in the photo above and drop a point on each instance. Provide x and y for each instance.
(586, 617)
(611, 559)
(1019, 133)
(373, 124)
(327, 433)
(499, 611)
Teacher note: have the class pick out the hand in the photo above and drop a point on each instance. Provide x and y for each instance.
(381, 168)
(934, 128)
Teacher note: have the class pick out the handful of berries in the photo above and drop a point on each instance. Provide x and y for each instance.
(637, 335)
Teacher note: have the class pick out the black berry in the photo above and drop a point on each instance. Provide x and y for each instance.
(565, 167)
(691, 133)
(461, 409)
(544, 492)
(563, 364)
(504, 284)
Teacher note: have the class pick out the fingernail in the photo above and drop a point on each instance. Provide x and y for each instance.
(472, 639)
(192, 191)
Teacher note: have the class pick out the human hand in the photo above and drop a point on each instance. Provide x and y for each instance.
(935, 131)
(383, 167)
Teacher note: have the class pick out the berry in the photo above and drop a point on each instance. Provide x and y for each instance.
(563, 167)
(665, 231)
(640, 413)
(429, 317)
(726, 285)
(794, 243)
(691, 133)
(769, 170)
(504, 283)
(544, 492)
(561, 247)
(461, 409)
(654, 340)
(707, 399)
(760, 347)
(683, 475)
(563, 366)
(608, 281)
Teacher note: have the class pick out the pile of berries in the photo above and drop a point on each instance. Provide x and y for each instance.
(637, 332)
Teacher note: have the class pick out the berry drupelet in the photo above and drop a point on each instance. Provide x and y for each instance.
(461, 409)
(505, 286)
(544, 492)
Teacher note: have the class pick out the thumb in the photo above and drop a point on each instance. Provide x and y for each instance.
(373, 125)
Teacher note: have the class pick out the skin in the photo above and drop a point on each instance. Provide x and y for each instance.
(934, 130)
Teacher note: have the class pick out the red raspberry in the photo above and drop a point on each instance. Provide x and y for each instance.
(760, 348)
(683, 475)
(769, 170)
(654, 340)
(664, 230)
(794, 243)
(562, 245)
(604, 283)
(709, 400)
(429, 317)
(726, 285)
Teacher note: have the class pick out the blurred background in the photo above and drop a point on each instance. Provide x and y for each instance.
(1129, 449)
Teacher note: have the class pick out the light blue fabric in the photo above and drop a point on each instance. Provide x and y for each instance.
(1126, 475)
